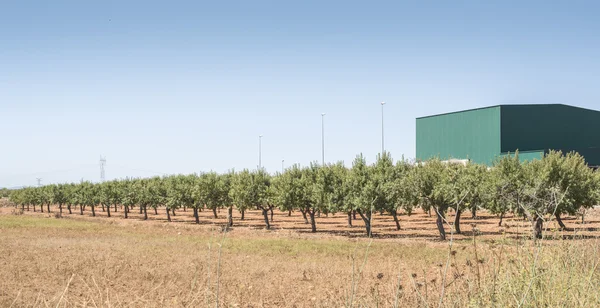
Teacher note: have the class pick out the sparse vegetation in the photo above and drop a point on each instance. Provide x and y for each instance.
(117, 263)
(143, 261)
(539, 191)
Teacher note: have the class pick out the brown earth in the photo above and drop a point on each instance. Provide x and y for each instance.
(418, 225)
(116, 262)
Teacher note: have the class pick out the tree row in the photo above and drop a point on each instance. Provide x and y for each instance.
(538, 191)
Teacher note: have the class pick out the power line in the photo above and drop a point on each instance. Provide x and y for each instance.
(141, 170)
(51, 171)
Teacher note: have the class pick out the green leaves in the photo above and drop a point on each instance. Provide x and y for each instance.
(251, 189)
(557, 184)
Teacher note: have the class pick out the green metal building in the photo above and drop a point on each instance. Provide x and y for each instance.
(481, 135)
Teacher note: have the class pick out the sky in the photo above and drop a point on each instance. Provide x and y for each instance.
(164, 87)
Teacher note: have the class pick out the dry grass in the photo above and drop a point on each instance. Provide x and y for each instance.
(95, 262)
(416, 227)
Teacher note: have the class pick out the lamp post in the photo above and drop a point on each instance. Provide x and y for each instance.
(323, 139)
(260, 152)
(382, 139)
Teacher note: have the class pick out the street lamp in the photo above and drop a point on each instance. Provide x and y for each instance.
(260, 151)
(382, 140)
(323, 139)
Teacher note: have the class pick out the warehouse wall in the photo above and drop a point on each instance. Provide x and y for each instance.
(546, 127)
(473, 134)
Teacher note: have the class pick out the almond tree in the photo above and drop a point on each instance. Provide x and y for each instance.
(315, 186)
(426, 184)
(558, 185)
(253, 189)
(130, 197)
(171, 197)
(340, 198)
(385, 177)
(461, 186)
(69, 191)
(58, 196)
(366, 197)
(207, 190)
(105, 192)
(289, 192)
(223, 196)
(507, 180)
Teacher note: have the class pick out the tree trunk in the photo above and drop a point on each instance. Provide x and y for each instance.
(196, 215)
(266, 216)
(582, 215)
(80, 209)
(173, 211)
(27, 207)
(313, 223)
(93, 211)
(41, 208)
(538, 223)
(185, 208)
(243, 212)
(60, 208)
(367, 219)
(474, 211)
(141, 210)
(145, 212)
(103, 210)
(304, 215)
(289, 213)
(350, 219)
(126, 210)
(354, 214)
(440, 223)
(168, 215)
(457, 221)
(395, 215)
(69, 207)
(108, 210)
(215, 212)
(271, 210)
(501, 217)
(429, 212)
(230, 216)
(155, 210)
(560, 222)
(115, 208)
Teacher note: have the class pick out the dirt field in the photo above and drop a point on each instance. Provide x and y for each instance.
(418, 225)
(113, 262)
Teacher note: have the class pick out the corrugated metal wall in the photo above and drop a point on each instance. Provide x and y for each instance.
(551, 127)
(473, 134)
(527, 155)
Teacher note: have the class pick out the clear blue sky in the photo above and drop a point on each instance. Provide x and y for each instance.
(187, 86)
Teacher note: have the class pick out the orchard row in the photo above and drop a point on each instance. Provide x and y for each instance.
(538, 190)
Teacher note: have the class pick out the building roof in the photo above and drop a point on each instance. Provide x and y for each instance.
(502, 105)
